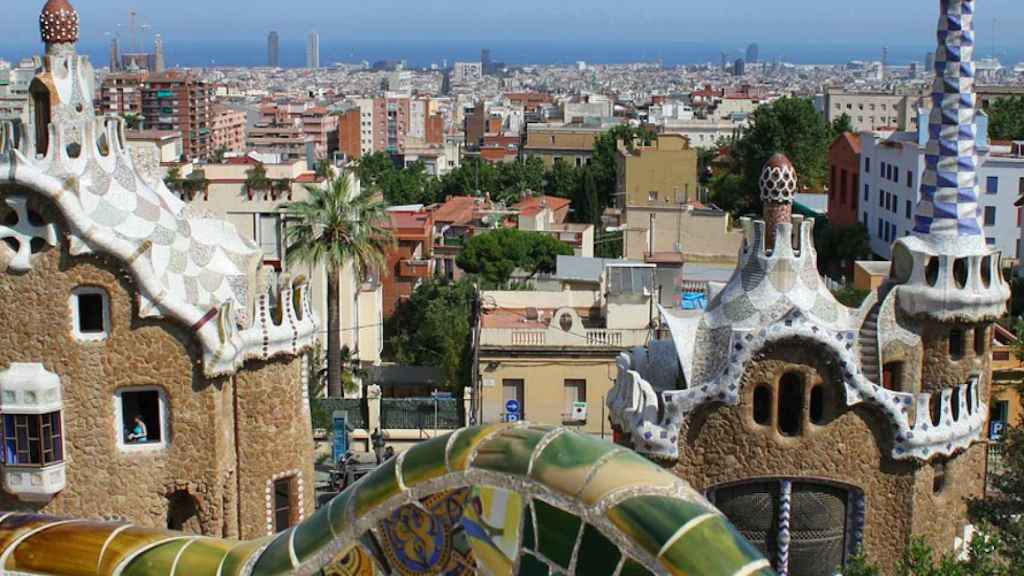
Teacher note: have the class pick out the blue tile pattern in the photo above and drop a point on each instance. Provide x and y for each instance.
(949, 188)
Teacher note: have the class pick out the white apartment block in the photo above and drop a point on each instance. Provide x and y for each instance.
(890, 178)
(869, 111)
(467, 72)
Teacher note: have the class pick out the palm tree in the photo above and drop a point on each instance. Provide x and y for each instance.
(332, 228)
(256, 179)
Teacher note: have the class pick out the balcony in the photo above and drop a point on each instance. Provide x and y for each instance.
(412, 268)
(34, 484)
(555, 338)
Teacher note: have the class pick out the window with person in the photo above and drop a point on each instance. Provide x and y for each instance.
(142, 417)
(33, 439)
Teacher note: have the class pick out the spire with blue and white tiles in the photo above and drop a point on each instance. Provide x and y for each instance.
(947, 213)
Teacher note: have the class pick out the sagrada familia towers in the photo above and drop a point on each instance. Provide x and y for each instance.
(821, 430)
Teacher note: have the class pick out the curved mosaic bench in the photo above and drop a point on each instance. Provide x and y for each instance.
(501, 500)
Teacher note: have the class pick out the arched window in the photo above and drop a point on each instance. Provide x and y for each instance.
(960, 272)
(956, 344)
(954, 404)
(938, 476)
(791, 404)
(935, 408)
(892, 376)
(818, 404)
(980, 340)
(763, 405)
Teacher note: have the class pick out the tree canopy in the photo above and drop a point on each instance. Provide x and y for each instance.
(433, 328)
(1006, 119)
(495, 256)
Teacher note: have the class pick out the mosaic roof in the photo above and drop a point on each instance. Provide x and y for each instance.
(501, 500)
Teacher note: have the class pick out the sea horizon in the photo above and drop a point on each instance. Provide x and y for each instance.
(424, 53)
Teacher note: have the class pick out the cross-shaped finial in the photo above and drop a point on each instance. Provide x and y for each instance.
(21, 232)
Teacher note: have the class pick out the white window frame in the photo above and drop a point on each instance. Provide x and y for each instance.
(73, 303)
(165, 429)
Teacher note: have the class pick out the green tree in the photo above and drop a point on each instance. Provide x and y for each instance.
(256, 179)
(562, 181)
(1006, 119)
(372, 167)
(793, 127)
(729, 192)
(331, 229)
(324, 170)
(217, 157)
(495, 256)
(173, 179)
(433, 328)
(841, 125)
(132, 121)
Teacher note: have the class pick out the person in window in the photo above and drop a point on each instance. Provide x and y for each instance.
(139, 433)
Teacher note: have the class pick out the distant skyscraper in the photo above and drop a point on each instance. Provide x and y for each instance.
(885, 62)
(739, 67)
(929, 62)
(313, 51)
(158, 47)
(115, 54)
(485, 61)
(273, 50)
(725, 61)
(753, 53)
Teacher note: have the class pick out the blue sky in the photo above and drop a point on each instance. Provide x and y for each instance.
(871, 21)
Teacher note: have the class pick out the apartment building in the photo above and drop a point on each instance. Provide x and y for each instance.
(869, 111)
(657, 207)
(551, 353)
(547, 214)
(703, 133)
(559, 142)
(891, 170)
(844, 180)
(410, 262)
(14, 83)
(389, 124)
(294, 130)
(228, 129)
(179, 101)
(257, 215)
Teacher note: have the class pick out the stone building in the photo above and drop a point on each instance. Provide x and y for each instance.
(820, 430)
(146, 372)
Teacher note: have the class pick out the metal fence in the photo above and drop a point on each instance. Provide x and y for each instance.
(356, 408)
(419, 414)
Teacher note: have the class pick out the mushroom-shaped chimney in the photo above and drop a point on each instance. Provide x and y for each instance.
(58, 23)
(778, 186)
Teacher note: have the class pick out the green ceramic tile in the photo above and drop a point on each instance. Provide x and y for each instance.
(688, 555)
(466, 440)
(509, 452)
(530, 566)
(275, 559)
(425, 461)
(652, 520)
(338, 510)
(626, 469)
(313, 534)
(556, 533)
(203, 556)
(529, 541)
(376, 488)
(565, 462)
(156, 560)
(597, 556)
(240, 554)
(632, 568)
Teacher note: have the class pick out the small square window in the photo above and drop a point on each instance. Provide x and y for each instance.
(90, 314)
(992, 185)
(141, 418)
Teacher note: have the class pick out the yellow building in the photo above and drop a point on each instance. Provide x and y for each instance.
(1007, 377)
(662, 174)
(557, 142)
(553, 353)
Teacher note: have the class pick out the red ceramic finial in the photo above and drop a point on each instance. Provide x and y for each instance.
(58, 23)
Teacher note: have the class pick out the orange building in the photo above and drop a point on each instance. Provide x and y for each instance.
(844, 180)
(410, 262)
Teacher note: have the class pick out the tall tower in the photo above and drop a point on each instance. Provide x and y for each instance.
(313, 51)
(753, 53)
(885, 62)
(115, 54)
(273, 49)
(158, 47)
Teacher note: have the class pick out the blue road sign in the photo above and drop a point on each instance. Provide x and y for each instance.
(512, 407)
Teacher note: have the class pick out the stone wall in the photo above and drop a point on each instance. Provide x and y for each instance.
(939, 369)
(275, 441)
(199, 462)
(103, 481)
(722, 444)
